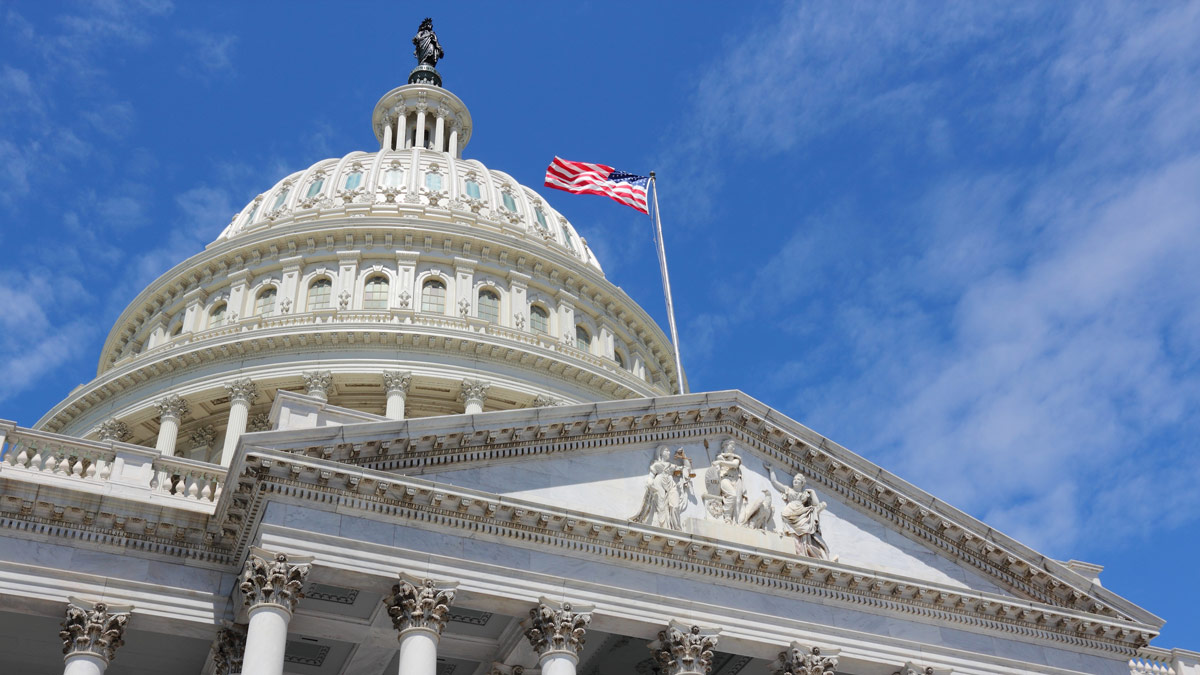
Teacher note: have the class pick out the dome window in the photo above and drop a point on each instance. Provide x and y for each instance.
(619, 359)
(433, 182)
(264, 305)
(541, 219)
(376, 295)
(319, 292)
(539, 319)
(280, 198)
(253, 212)
(582, 339)
(393, 177)
(433, 297)
(353, 180)
(489, 306)
(567, 239)
(472, 189)
(216, 318)
(315, 188)
(509, 203)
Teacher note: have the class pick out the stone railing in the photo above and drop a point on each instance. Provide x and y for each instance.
(106, 467)
(1159, 661)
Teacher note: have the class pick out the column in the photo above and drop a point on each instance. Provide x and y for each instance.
(270, 585)
(171, 410)
(401, 129)
(439, 130)
(241, 396)
(556, 632)
(91, 634)
(452, 148)
(419, 138)
(800, 658)
(396, 383)
(387, 135)
(317, 383)
(112, 429)
(419, 609)
(472, 395)
(684, 650)
(228, 649)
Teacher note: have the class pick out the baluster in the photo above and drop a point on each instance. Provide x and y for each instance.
(64, 462)
(22, 456)
(193, 486)
(104, 468)
(77, 467)
(89, 471)
(48, 461)
(206, 492)
(216, 492)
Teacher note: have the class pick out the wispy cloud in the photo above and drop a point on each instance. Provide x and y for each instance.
(211, 54)
(1021, 336)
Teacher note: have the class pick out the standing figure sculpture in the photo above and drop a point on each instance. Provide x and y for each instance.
(667, 490)
(428, 49)
(802, 514)
(724, 485)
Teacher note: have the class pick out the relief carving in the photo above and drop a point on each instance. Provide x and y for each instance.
(802, 515)
(667, 489)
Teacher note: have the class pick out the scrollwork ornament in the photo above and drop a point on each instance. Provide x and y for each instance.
(801, 659)
(558, 628)
(273, 579)
(96, 629)
(420, 604)
(684, 650)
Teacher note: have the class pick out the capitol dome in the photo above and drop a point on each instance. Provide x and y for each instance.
(405, 282)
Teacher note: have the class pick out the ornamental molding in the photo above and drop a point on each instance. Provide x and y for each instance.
(203, 438)
(801, 659)
(275, 579)
(557, 627)
(684, 650)
(228, 649)
(420, 604)
(94, 628)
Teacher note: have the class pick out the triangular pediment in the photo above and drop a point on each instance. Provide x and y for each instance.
(595, 460)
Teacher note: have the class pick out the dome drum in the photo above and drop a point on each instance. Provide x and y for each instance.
(422, 116)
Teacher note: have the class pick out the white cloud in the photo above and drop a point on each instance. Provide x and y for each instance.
(211, 54)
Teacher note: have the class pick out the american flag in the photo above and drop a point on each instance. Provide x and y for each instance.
(598, 179)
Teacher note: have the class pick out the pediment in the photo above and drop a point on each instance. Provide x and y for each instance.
(595, 459)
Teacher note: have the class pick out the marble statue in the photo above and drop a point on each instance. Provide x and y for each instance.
(667, 489)
(759, 513)
(724, 485)
(428, 49)
(802, 515)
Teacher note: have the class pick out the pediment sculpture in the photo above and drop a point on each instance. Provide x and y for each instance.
(667, 489)
(725, 495)
(802, 515)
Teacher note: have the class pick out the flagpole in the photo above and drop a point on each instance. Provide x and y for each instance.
(666, 278)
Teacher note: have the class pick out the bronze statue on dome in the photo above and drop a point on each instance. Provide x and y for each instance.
(428, 49)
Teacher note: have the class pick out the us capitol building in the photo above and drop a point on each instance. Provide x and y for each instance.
(395, 419)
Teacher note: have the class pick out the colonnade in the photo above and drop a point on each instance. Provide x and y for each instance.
(271, 585)
(173, 409)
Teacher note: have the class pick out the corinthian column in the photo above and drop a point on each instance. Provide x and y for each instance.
(228, 650)
(317, 383)
(396, 383)
(241, 396)
(684, 650)
(473, 394)
(171, 410)
(419, 609)
(800, 659)
(270, 585)
(91, 634)
(556, 632)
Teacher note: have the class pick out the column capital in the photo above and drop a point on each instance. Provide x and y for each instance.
(474, 391)
(801, 659)
(911, 668)
(557, 627)
(544, 401)
(259, 422)
(242, 391)
(93, 628)
(684, 650)
(318, 383)
(112, 429)
(273, 578)
(172, 407)
(417, 603)
(229, 649)
(397, 381)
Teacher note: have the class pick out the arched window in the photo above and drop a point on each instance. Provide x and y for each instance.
(619, 359)
(509, 203)
(393, 177)
(541, 219)
(280, 198)
(472, 189)
(582, 339)
(433, 297)
(319, 292)
(433, 182)
(216, 318)
(539, 319)
(353, 180)
(567, 238)
(376, 293)
(315, 187)
(489, 306)
(264, 305)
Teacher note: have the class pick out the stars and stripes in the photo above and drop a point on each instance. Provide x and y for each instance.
(598, 179)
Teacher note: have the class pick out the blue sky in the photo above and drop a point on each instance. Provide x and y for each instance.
(959, 239)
